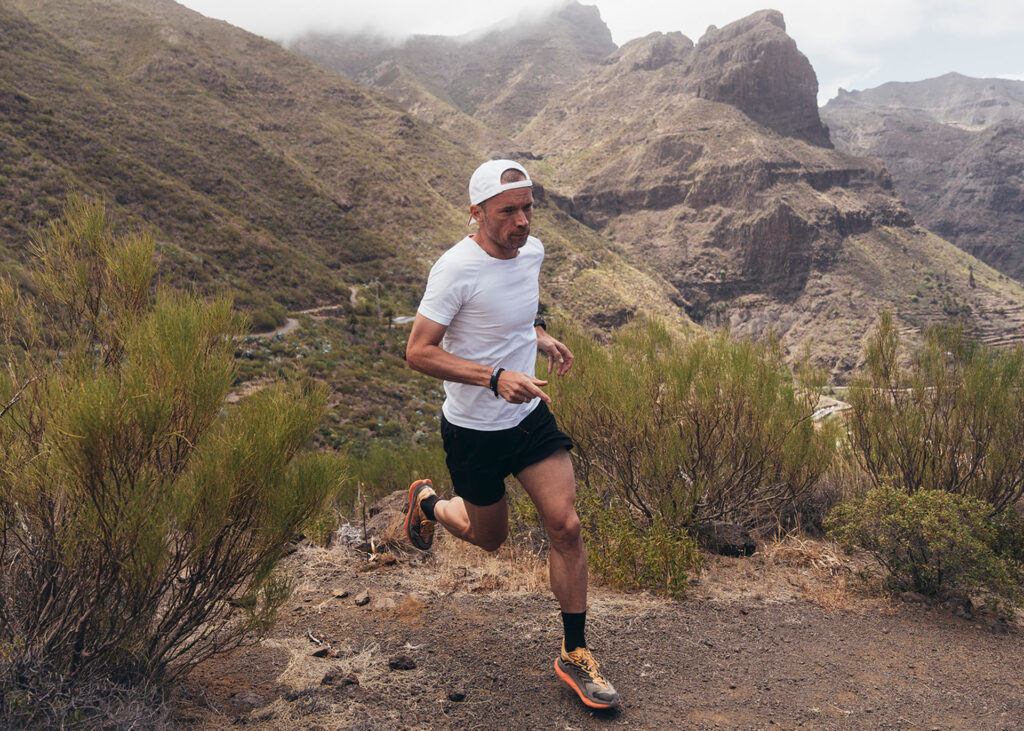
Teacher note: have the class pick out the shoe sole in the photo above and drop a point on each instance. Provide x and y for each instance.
(408, 516)
(567, 679)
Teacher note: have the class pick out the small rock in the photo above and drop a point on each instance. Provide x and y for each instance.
(387, 604)
(322, 652)
(996, 626)
(339, 593)
(401, 662)
(337, 677)
(457, 696)
(362, 599)
(248, 700)
(912, 597)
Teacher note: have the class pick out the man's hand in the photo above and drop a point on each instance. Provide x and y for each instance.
(556, 352)
(519, 388)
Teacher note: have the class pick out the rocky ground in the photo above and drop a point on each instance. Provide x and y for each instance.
(790, 637)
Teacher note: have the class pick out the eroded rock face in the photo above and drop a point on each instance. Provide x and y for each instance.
(753, 65)
(955, 147)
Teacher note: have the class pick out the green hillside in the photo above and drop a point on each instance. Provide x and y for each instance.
(256, 168)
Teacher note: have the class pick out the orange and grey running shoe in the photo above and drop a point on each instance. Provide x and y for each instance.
(580, 672)
(418, 527)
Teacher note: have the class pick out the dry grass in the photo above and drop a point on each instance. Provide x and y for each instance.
(514, 567)
(801, 552)
(789, 569)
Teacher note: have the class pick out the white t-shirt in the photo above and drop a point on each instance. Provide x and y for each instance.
(488, 306)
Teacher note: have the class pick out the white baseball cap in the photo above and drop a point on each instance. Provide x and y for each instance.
(486, 181)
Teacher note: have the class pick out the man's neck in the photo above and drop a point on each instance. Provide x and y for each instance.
(492, 249)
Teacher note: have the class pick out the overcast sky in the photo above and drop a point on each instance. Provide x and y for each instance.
(853, 44)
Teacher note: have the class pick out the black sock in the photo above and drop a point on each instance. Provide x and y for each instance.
(573, 625)
(427, 506)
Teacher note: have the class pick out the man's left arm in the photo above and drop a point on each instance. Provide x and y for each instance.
(556, 351)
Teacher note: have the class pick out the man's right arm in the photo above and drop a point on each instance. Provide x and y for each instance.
(425, 354)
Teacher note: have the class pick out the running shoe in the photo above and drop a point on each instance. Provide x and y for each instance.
(418, 527)
(580, 672)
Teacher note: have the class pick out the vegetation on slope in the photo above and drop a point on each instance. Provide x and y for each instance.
(140, 521)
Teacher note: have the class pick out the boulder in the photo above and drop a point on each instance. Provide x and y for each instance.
(402, 662)
(726, 539)
(386, 518)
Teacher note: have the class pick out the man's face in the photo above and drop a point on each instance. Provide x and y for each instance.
(505, 218)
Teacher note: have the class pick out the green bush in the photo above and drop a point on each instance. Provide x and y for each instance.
(630, 555)
(949, 419)
(691, 432)
(388, 465)
(932, 542)
(140, 521)
(268, 317)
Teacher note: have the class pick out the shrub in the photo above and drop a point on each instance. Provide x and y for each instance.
(949, 420)
(930, 541)
(268, 317)
(630, 555)
(140, 521)
(389, 465)
(692, 432)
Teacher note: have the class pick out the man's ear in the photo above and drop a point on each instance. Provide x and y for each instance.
(476, 213)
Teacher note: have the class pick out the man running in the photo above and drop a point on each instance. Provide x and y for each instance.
(477, 329)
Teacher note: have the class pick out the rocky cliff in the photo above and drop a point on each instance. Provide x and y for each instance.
(753, 65)
(955, 148)
(726, 185)
(660, 188)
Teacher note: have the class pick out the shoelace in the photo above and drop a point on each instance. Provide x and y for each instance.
(585, 660)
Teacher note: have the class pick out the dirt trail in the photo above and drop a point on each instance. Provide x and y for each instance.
(753, 647)
(290, 324)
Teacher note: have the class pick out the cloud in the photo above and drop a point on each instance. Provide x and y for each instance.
(1011, 77)
(987, 18)
(392, 18)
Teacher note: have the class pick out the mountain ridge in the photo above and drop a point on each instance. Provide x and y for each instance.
(258, 170)
(955, 147)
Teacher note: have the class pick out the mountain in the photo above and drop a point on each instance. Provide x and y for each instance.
(707, 163)
(257, 169)
(254, 167)
(955, 148)
(734, 193)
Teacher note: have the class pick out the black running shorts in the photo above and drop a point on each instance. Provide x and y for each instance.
(479, 461)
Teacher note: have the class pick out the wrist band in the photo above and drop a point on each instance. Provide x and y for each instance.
(539, 322)
(494, 380)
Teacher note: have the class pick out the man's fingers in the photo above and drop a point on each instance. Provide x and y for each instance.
(535, 389)
(565, 361)
(543, 396)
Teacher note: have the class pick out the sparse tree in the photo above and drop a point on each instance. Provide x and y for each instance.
(949, 419)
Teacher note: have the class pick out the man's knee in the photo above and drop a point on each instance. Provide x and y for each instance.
(493, 542)
(566, 531)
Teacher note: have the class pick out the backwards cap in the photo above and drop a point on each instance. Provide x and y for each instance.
(486, 181)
